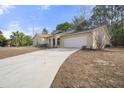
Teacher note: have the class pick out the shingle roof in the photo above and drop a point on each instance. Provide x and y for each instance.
(41, 35)
(69, 32)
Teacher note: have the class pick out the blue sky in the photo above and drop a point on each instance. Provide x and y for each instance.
(25, 17)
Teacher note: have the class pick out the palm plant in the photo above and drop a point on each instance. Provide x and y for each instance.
(17, 38)
(20, 39)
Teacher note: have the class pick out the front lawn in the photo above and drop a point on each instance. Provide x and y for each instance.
(13, 51)
(88, 68)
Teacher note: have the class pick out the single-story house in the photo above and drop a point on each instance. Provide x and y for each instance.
(75, 39)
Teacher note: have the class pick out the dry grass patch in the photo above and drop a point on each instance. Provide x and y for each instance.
(13, 51)
(87, 68)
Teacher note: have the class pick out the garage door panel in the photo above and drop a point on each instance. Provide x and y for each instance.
(76, 42)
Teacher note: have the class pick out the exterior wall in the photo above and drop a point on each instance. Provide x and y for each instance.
(51, 42)
(91, 36)
(40, 41)
(101, 35)
(89, 40)
(55, 37)
(87, 35)
(35, 41)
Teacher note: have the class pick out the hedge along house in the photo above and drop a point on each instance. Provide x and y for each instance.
(75, 39)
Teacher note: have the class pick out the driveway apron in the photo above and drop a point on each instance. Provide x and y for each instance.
(36, 69)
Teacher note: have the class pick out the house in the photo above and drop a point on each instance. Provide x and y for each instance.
(75, 39)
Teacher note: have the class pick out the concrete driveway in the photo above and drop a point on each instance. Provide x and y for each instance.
(36, 69)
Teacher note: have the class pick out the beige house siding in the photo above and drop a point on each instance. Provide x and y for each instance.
(61, 42)
(91, 36)
(40, 40)
(46, 40)
(89, 40)
(100, 34)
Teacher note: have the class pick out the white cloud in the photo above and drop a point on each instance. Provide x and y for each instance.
(1, 12)
(7, 33)
(15, 25)
(45, 7)
(5, 9)
(12, 26)
(36, 29)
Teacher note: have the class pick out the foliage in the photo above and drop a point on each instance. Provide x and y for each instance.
(20, 39)
(28, 40)
(80, 23)
(45, 31)
(108, 14)
(99, 16)
(63, 27)
(118, 34)
(3, 40)
(1, 32)
(113, 16)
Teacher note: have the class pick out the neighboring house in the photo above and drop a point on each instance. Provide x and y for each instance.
(75, 39)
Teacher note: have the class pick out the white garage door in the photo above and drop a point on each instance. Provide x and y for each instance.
(76, 42)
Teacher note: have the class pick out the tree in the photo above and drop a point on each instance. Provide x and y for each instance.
(45, 31)
(80, 23)
(22, 39)
(108, 14)
(113, 16)
(28, 40)
(19, 39)
(15, 37)
(3, 40)
(99, 16)
(84, 11)
(63, 27)
(1, 32)
(118, 34)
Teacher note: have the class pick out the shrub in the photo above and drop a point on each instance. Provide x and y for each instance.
(84, 47)
(108, 46)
